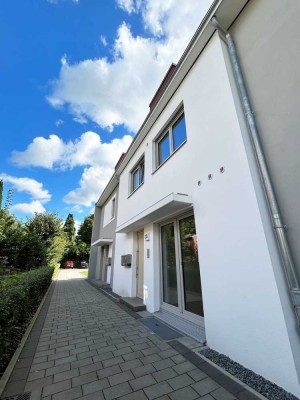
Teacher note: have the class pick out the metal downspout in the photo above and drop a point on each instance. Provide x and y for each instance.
(279, 227)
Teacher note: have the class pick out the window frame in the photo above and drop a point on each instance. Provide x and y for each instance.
(168, 131)
(113, 208)
(140, 168)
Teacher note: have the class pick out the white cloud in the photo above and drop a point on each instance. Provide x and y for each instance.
(40, 153)
(91, 184)
(33, 188)
(129, 6)
(57, 1)
(29, 208)
(59, 122)
(118, 92)
(103, 40)
(87, 150)
(30, 186)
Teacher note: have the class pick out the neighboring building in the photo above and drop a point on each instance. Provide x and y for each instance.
(101, 264)
(192, 217)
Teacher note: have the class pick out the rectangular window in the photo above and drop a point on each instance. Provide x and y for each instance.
(171, 140)
(137, 175)
(113, 208)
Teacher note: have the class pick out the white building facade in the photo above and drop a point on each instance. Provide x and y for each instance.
(193, 235)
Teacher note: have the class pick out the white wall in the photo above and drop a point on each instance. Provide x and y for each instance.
(107, 218)
(243, 314)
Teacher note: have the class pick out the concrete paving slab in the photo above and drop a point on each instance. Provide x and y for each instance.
(88, 346)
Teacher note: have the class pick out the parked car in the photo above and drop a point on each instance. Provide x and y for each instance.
(68, 264)
(84, 264)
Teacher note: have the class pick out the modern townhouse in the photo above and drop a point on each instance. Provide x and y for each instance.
(207, 222)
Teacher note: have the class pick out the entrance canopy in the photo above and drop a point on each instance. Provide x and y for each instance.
(167, 206)
(102, 242)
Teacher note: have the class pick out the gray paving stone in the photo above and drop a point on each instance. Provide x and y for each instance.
(38, 383)
(57, 387)
(58, 369)
(117, 391)
(142, 382)
(150, 359)
(140, 395)
(131, 364)
(39, 360)
(133, 355)
(222, 394)
(120, 378)
(90, 368)
(94, 396)
(95, 386)
(184, 367)
(205, 386)
(59, 345)
(81, 363)
(70, 394)
(65, 375)
(186, 393)
(197, 375)
(124, 350)
(102, 357)
(144, 370)
(87, 354)
(165, 374)
(157, 390)
(83, 379)
(36, 375)
(180, 381)
(64, 360)
(105, 372)
(62, 354)
(158, 365)
(112, 361)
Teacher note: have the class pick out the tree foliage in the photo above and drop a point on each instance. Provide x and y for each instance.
(69, 228)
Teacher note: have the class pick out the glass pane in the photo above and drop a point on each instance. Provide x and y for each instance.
(163, 149)
(169, 265)
(136, 179)
(190, 266)
(142, 168)
(179, 132)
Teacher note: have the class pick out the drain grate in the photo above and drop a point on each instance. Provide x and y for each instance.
(22, 396)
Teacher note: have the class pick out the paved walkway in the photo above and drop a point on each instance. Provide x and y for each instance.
(90, 348)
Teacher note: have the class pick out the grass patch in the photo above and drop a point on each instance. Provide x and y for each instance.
(85, 273)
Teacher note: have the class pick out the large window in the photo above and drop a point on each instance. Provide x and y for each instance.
(171, 140)
(137, 175)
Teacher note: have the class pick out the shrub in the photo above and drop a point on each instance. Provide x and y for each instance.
(20, 296)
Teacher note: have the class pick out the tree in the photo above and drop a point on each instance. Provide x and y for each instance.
(85, 230)
(38, 247)
(69, 228)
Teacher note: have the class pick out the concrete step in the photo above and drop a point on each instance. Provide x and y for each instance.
(134, 303)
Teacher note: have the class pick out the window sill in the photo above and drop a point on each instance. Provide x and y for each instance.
(135, 190)
(171, 155)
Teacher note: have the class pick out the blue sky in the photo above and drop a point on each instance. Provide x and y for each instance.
(76, 80)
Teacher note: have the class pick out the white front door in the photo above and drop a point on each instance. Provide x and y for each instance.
(140, 265)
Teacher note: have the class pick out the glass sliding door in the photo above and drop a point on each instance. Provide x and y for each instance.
(169, 274)
(192, 291)
(181, 282)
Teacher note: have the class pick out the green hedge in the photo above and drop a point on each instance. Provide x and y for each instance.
(20, 296)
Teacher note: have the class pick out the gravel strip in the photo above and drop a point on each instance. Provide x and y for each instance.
(256, 382)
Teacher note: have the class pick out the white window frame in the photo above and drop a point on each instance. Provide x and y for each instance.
(137, 167)
(168, 132)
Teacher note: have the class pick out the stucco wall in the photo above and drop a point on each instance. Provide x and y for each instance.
(267, 39)
(243, 313)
